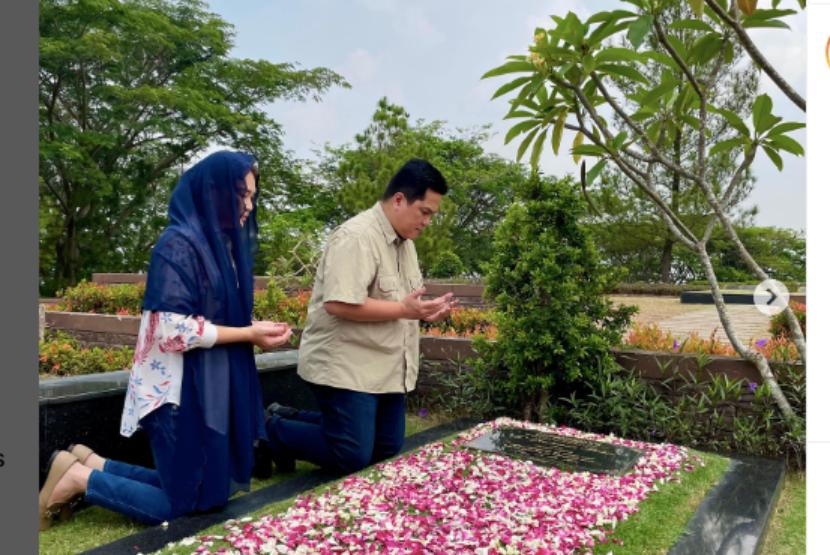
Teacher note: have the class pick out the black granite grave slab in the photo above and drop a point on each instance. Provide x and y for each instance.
(734, 515)
(156, 537)
(570, 454)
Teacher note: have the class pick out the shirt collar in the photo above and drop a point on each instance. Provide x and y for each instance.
(389, 232)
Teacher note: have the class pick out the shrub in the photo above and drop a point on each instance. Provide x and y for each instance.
(463, 322)
(778, 325)
(103, 299)
(650, 337)
(447, 264)
(720, 415)
(275, 304)
(547, 281)
(62, 355)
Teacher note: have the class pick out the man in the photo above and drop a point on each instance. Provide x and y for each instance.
(359, 348)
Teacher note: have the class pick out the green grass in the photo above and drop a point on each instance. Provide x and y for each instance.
(663, 515)
(787, 533)
(94, 526)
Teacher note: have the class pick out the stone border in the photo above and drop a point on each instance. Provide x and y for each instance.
(735, 514)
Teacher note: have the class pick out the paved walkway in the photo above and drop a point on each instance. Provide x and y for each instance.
(748, 322)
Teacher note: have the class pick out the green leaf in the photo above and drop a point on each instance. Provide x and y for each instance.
(732, 118)
(773, 155)
(661, 58)
(629, 72)
(705, 48)
(607, 29)
(509, 67)
(785, 127)
(638, 30)
(558, 128)
(768, 24)
(614, 54)
(609, 16)
(692, 25)
(588, 150)
(537, 149)
(783, 142)
(697, 7)
(618, 141)
(525, 144)
(727, 145)
(507, 87)
(519, 114)
(578, 139)
(521, 127)
(665, 87)
(594, 172)
(762, 118)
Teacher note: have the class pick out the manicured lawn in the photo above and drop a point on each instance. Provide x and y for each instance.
(787, 534)
(95, 526)
(663, 516)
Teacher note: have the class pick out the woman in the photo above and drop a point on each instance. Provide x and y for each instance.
(193, 386)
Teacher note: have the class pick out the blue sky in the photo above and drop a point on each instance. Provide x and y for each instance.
(429, 55)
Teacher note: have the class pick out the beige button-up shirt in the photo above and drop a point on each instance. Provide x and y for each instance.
(364, 257)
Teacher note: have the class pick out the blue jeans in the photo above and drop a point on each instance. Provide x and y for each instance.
(131, 490)
(141, 493)
(351, 431)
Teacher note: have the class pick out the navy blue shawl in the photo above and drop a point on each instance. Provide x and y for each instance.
(203, 265)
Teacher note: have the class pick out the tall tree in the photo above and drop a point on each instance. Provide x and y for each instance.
(481, 186)
(576, 79)
(130, 91)
(629, 225)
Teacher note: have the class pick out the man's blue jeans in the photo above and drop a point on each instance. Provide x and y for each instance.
(351, 431)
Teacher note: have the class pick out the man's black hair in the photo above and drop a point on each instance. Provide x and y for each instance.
(413, 180)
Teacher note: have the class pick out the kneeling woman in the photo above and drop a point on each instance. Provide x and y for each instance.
(193, 387)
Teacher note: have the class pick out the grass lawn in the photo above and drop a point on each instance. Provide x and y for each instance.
(787, 533)
(94, 526)
(664, 514)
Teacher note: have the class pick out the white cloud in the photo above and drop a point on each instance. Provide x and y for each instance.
(414, 24)
(359, 68)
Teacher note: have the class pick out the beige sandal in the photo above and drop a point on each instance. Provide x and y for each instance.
(59, 464)
(81, 451)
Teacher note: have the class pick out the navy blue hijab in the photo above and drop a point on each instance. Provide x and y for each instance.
(203, 265)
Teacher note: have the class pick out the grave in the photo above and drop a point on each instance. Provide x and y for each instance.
(569, 454)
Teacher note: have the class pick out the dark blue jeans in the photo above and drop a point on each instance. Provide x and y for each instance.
(131, 490)
(139, 492)
(351, 431)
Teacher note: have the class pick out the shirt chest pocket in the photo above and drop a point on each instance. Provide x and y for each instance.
(388, 288)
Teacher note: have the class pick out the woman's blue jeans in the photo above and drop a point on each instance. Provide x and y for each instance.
(351, 431)
(137, 491)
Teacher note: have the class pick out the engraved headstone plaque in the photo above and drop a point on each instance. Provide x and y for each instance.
(569, 454)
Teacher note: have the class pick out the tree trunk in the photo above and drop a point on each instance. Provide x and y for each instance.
(67, 253)
(755, 357)
(666, 260)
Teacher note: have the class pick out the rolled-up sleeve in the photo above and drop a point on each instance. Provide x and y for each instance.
(349, 268)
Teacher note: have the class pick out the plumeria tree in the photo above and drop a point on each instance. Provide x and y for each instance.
(578, 78)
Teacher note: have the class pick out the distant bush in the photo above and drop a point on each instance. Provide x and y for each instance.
(447, 264)
(123, 299)
(651, 338)
(778, 325)
(62, 355)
